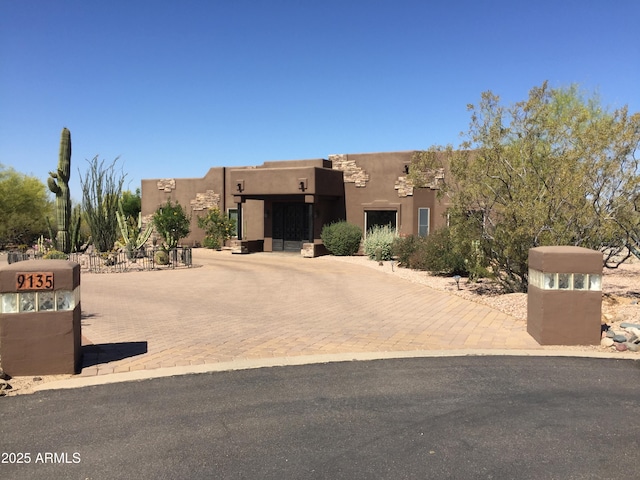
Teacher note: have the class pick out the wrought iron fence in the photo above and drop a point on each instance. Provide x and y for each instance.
(143, 259)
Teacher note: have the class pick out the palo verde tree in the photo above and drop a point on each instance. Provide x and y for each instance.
(554, 169)
(101, 190)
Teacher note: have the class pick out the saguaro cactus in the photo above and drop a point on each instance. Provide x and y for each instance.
(58, 183)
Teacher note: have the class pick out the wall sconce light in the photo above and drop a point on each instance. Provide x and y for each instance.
(240, 186)
(406, 169)
(302, 184)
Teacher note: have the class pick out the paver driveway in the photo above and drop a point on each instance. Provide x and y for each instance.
(267, 305)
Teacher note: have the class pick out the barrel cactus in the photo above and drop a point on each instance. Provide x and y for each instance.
(58, 183)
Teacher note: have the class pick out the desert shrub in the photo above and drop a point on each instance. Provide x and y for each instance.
(172, 222)
(341, 238)
(55, 255)
(439, 255)
(377, 244)
(404, 247)
(218, 228)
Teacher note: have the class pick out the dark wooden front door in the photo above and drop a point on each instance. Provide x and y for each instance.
(290, 226)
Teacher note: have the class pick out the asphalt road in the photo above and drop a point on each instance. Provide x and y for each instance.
(436, 418)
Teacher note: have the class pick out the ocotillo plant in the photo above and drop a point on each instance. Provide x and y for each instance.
(58, 183)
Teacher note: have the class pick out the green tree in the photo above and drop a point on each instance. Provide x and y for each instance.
(25, 205)
(131, 204)
(217, 227)
(101, 190)
(172, 223)
(554, 169)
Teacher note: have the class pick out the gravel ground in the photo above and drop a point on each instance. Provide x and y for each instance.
(621, 303)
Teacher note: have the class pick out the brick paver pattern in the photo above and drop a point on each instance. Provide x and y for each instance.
(230, 307)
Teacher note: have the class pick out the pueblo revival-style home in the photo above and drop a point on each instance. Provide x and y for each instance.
(283, 205)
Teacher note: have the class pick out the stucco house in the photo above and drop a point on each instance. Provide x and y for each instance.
(283, 205)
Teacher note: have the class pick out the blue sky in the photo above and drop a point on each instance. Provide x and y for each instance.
(176, 87)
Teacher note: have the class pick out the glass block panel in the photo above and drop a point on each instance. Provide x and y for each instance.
(46, 302)
(549, 281)
(27, 302)
(595, 282)
(534, 278)
(579, 281)
(9, 302)
(564, 281)
(65, 300)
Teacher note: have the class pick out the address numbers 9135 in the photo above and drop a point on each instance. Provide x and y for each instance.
(34, 281)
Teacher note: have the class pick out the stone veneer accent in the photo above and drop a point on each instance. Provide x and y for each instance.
(204, 201)
(433, 177)
(352, 172)
(167, 184)
(404, 186)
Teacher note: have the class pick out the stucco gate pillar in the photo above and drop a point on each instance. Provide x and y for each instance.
(40, 330)
(564, 303)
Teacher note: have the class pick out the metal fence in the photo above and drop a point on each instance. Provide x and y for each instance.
(110, 262)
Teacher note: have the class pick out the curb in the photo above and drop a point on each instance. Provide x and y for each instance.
(248, 364)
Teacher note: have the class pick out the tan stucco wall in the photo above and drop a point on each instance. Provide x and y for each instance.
(195, 195)
(343, 186)
(384, 188)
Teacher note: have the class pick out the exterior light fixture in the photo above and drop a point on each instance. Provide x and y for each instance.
(457, 280)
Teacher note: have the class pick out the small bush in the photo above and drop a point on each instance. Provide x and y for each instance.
(55, 255)
(435, 253)
(341, 238)
(218, 228)
(377, 244)
(440, 256)
(404, 247)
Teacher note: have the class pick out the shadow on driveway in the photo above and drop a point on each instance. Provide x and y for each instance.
(111, 352)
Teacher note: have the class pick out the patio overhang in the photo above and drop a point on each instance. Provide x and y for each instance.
(267, 183)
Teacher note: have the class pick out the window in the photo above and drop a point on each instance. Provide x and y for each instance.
(423, 221)
(232, 213)
(380, 218)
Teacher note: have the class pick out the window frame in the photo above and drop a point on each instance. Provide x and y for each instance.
(428, 224)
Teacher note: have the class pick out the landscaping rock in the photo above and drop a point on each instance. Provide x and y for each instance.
(627, 325)
(619, 338)
(634, 331)
(632, 347)
(607, 342)
(621, 347)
